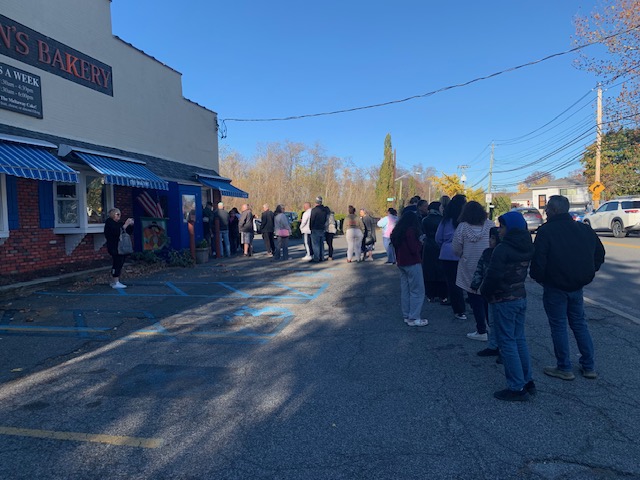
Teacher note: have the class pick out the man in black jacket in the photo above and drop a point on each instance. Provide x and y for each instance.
(503, 287)
(318, 223)
(267, 229)
(566, 258)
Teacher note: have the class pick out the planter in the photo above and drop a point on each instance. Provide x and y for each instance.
(202, 255)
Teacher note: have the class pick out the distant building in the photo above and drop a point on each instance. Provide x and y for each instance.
(88, 122)
(576, 191)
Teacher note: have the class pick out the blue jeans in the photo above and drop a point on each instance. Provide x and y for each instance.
(508, 318)
(224, 241)
(562, 308)
(317, 241)
(411, 291)
(282, 248)
(391, 253)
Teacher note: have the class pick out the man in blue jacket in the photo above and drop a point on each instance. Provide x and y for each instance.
(567, 255)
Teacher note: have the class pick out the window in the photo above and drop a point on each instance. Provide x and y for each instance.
(82, 207)
(4, 215)
(612, 206)
(567, 192)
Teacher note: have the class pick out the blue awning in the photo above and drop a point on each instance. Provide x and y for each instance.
(29, 161)
(224, 186)
(122, 172)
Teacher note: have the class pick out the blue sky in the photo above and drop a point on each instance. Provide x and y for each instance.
(257, 59)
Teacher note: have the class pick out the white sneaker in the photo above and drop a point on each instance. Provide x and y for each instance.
(407, 321)
(118, 285)
(477, 336)
(307, 257)
(420, 322)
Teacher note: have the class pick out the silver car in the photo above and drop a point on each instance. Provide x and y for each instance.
(532, 216)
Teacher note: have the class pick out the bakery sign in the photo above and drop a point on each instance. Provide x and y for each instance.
(26, 45)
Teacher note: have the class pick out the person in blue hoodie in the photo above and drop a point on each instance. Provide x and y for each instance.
(503, 287)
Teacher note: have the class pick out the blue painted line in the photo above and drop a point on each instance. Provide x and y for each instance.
(235, 290)
(292, 289)
(27, 328)
(176, 289)
(322, 288)
(160, 295)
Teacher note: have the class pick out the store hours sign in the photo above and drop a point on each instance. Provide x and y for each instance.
(20, 91)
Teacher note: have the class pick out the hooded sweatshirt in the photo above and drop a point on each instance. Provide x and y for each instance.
(469, 241)
(509, 263)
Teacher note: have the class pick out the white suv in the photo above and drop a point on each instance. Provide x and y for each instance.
(620, 216)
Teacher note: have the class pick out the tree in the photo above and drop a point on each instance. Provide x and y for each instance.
(618, 20)
(534, 179)
(619, 165)
(384, 185)
(448, 184)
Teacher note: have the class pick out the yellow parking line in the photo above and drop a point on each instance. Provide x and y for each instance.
(84, 437)
(620, 245)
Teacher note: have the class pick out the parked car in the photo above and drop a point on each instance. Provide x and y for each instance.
(619, 216)
(578, 214)
(292, 216)
(532, 216)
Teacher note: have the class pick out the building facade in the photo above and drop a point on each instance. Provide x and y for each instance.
(88, 122)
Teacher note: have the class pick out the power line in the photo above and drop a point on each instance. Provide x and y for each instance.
(428, 94)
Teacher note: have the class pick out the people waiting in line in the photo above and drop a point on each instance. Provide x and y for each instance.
(503, 287)
(448, 258)
(470, 239)
(354, 233)
(267, 229)
(283, 232)
(567, 255)
(405, 239)
(234, 230)
(305, 230)
(318, 225)
(245, 225)
(330, 231)
(222, 219)
(369, 240)
(387, 224)
(434, 282)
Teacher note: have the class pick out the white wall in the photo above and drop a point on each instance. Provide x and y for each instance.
(147, 113)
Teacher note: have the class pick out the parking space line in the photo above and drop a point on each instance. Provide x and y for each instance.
(176, 289)
(613, 310)
(84, 437)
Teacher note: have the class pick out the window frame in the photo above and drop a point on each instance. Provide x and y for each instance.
(4, 207)
(83, 225)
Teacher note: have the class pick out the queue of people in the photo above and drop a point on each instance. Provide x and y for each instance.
(462, 252)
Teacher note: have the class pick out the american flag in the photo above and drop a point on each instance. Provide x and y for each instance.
(150, 207)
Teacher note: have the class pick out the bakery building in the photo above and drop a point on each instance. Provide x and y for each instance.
(88, 122)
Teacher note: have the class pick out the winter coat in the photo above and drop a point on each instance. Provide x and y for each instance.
(444, 237)
(408, 252)
(266, 222)
(481, 269)
(567, 254)
(245, 224)
(504, 280)
(431, 265)
(468, 243)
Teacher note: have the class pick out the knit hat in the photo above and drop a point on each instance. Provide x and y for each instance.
(513, 221)
(319, 200)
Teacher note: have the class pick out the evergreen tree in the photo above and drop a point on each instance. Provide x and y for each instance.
(384, 185)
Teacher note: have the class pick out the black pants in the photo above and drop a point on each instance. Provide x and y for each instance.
(118, 263)
(456, 297)
(329, 238)
(269, 244)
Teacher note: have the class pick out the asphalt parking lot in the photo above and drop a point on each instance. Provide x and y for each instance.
(249, 368)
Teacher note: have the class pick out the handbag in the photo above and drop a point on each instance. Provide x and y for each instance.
(282, 232)
(125, 245)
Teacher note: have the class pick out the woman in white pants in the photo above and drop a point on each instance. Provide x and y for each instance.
(354, 232)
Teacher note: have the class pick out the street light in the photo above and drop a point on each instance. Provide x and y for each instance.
(400, 192)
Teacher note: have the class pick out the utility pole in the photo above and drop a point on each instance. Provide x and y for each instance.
(596, 197)
(489, 196)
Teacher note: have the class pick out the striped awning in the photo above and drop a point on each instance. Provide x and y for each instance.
(28, 161)
(123, 172)
(224, 186)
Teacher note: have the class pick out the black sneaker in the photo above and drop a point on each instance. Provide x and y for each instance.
(511, 395)
(530, 388)
(489, 352)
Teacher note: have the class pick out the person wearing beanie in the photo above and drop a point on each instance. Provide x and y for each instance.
(503, 287)
(567, 255)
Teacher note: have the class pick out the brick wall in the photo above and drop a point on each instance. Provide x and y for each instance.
(31, 252)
